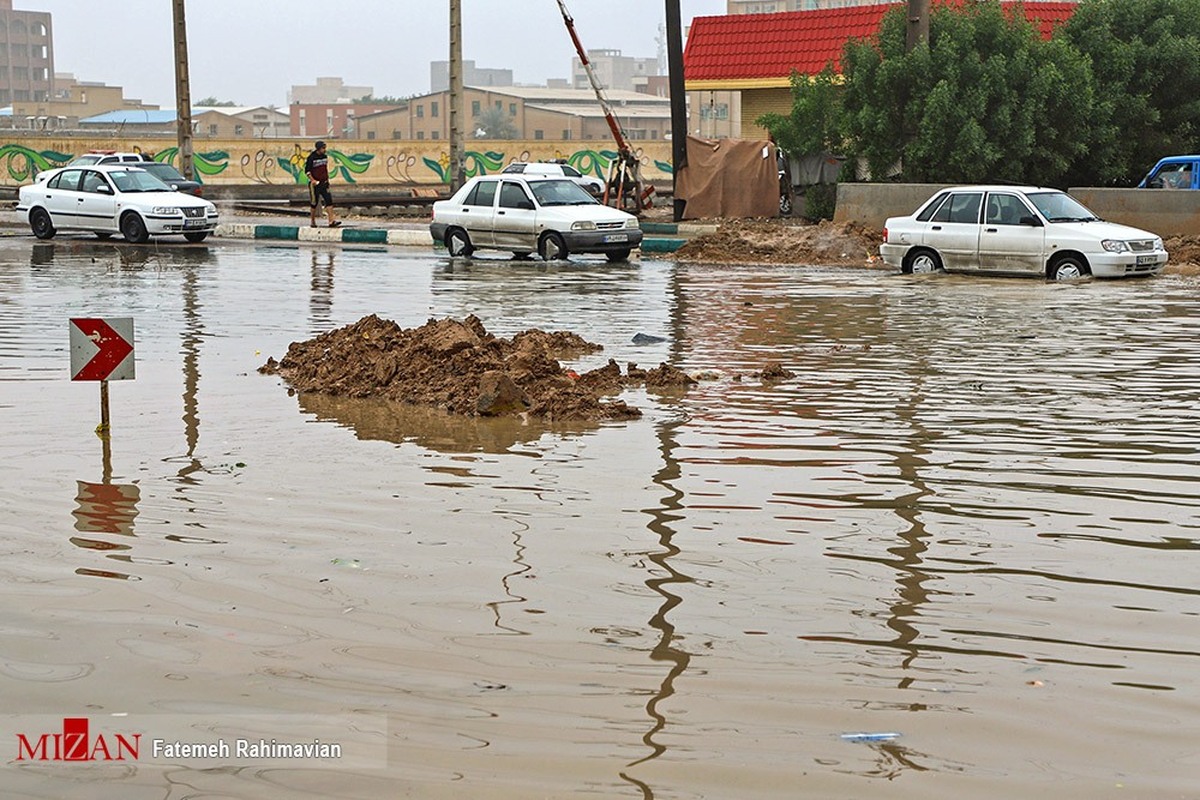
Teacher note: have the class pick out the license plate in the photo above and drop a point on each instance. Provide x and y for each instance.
(616, 237)
(194, 223)
(1147, 259)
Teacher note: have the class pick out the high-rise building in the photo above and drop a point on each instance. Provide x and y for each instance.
(26, 55)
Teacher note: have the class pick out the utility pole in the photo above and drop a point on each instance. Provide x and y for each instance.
(918, 24)
(457, 169)
(679, 120)
(183, 95)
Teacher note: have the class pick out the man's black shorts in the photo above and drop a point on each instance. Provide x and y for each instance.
(318, 192)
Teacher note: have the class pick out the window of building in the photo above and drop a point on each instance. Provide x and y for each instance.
(39, 51)
(21, 94)
(212, 130)
(420, 112)
(39, 29)
(370, 134)
(539, 135)
(21, 73)
(40, 74)
(433, 108)
(474, 108)
(512, 109)
(433, 135)
(239, 130)
(566, 133)
(396, 135)
(420, 135)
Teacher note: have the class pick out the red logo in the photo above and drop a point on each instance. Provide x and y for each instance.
(75, 744)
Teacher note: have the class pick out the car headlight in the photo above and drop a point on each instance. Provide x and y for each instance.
(632, 223)
(1158, 244)
(165, 210)
(583, 226)
(1115, 246)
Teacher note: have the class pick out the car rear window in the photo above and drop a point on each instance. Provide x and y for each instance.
(484, 194)
(960, 207)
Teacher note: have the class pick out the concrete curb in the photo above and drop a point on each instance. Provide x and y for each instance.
(394, 236)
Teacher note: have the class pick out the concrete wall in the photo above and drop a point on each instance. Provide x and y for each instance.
(379, 164)
(1165, 212)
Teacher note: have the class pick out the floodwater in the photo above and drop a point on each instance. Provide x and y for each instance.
(967, 526)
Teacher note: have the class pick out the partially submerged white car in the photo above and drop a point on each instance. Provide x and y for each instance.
(551, 216)
(1017, 230)
(113, 198)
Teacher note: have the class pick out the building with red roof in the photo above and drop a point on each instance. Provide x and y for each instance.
(756, 54)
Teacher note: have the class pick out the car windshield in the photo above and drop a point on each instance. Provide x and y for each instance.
(560, 193)
(84, 161)
(1061, 207)
(136, 180)
(164, 171)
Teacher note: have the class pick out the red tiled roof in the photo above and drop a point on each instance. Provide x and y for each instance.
(763, 46)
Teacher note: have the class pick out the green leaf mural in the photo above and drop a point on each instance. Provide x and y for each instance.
(213, 162)
(665, 166)
(589, 162)
(23, 163)
(474, 163)
(350, 165)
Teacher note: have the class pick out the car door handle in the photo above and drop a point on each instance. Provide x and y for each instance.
(989, 230)
(936, 228)
(501, 213)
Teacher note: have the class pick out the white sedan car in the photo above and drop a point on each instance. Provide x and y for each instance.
(113, 198)
(1017, 230)
(524, 214)
(557, 169)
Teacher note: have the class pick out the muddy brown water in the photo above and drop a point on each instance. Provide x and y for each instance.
(970, 521)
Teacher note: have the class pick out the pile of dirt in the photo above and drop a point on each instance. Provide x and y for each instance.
(781, 241)
(456, 365)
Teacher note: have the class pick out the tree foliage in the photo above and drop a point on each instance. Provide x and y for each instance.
(986, 98)
(495, 124)
(213, 102)
(1145, 58)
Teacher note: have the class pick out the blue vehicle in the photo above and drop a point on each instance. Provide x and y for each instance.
(1173, 172)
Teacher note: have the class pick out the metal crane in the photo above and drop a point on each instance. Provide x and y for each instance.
(624, 186)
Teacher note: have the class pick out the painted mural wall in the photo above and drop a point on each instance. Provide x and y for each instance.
(281, 161)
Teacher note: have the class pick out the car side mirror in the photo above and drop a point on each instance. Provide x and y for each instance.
(1031, 220)
(104, 188)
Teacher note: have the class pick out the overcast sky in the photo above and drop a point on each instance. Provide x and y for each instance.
(253, 51)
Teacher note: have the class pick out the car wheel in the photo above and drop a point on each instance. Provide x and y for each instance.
(196, 236)
(133, 229)
(551, 247)
(922, 262)
(458, 243)
(40, 224)
(785, 205)
(618, 255)
(1068, 268)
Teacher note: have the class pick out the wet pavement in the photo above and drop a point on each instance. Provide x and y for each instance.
(966, 529)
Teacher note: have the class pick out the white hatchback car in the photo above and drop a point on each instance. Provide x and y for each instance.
(1017, 230)
(592, 184)
(524, 214)
(113, 198)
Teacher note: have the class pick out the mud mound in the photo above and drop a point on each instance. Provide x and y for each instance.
(456, 365)
(784, 242)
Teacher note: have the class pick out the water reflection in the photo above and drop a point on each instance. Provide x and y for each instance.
(374, 419)
(320, 296)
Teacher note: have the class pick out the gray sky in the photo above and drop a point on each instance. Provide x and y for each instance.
(253, 51)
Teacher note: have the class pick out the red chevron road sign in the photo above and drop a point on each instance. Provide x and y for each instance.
(101, 349)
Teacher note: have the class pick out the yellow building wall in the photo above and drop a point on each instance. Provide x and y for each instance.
(756, 102)
(375, 163)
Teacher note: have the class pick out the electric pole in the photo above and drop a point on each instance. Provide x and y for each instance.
(679, 120)
(457, 170)
(183, 95)
(918, 24)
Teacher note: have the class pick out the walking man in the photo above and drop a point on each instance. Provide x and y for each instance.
(317, 170)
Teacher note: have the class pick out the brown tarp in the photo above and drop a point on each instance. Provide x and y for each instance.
(729, 178)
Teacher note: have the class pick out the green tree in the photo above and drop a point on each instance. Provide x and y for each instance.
(213, 102)
(1145, 57)
(985, 99)
(814, 124)
(495, 124)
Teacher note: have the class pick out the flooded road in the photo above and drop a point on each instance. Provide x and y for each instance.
(967, 529)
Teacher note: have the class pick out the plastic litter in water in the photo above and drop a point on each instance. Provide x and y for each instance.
(870, 737)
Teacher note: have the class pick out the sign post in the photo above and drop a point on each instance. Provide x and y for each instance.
(102, 350)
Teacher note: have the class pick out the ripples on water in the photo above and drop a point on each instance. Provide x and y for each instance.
(970, 519)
